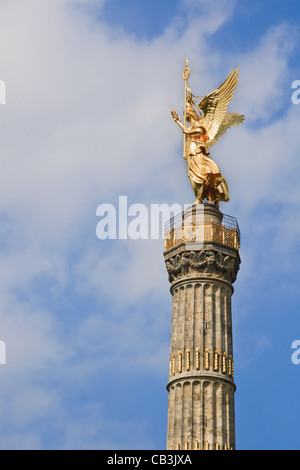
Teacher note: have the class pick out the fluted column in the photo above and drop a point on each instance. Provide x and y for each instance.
(201, 369)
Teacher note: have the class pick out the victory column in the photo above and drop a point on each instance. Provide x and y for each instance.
(202, 260)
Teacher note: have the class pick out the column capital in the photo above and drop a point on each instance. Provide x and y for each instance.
(207, 262)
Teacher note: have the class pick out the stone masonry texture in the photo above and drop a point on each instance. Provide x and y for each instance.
(201, 370)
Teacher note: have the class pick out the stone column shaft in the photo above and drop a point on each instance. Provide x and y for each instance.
(201, 370)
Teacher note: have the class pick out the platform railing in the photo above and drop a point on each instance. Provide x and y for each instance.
(226, 233)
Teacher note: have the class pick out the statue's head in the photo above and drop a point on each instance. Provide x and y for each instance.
(191, 115)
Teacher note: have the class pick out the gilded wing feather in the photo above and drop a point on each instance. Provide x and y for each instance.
(230, 120)
(214, 105)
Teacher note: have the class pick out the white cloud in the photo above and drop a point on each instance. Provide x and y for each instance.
(264, 74)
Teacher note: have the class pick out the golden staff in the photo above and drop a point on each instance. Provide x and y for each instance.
(185, 76)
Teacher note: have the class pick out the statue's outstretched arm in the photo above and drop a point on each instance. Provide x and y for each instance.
(177, 120)
(185, 129)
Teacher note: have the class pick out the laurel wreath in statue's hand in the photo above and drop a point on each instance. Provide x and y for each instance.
(174, 115)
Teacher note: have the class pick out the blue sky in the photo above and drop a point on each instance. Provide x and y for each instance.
(86, 322)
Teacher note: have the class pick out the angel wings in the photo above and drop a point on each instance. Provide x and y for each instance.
(213, 109)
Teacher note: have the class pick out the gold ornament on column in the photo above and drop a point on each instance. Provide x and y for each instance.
(216, 360)
(188, 359)
(224, 362)
(206, 359)
(180, 361)
(197, 359)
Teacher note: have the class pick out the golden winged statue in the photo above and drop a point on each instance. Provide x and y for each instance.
(203, 124)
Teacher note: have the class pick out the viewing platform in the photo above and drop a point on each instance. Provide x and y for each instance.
(202, 223)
